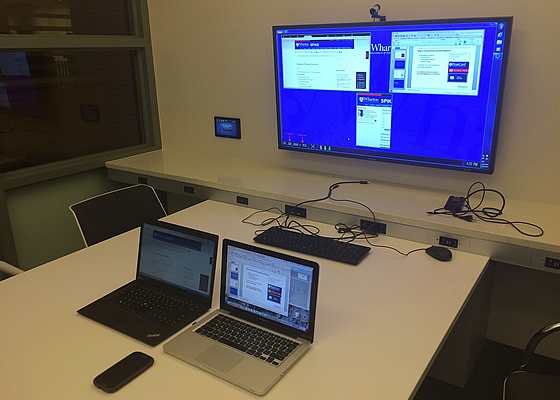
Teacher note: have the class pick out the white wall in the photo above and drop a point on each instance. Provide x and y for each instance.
(215, 58)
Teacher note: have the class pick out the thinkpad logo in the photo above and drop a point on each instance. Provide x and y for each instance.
(153, 335)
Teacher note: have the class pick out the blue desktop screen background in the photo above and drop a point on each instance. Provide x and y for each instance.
(450, 127)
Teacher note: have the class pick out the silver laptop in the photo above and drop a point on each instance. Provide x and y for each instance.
(265, 323)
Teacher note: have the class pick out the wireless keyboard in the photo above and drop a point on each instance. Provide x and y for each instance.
(331, 249)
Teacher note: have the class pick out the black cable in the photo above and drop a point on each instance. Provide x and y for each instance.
(329, 196)
(282, 219)
(397, 250)
(487, 214)
(348, 233)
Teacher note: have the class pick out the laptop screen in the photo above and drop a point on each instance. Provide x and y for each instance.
(174, 257)
(270, 287)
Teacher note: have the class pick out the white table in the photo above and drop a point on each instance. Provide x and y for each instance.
(379, 325)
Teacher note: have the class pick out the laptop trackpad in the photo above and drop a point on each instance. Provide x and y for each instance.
(220, 358)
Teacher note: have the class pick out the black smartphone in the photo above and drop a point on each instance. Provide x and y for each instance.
(118, 375)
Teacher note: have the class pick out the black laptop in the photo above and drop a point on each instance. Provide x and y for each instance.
(173, 286)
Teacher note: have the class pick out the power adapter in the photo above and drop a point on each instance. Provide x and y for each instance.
(455, 204)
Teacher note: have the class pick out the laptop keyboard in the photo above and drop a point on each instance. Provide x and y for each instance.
(142, 301)
(249, 339)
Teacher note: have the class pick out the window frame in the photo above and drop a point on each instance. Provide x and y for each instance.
(140, 43)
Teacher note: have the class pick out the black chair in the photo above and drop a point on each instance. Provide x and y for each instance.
(526, 385)
(110, 214)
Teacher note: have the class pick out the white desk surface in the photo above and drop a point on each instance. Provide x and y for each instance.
(379, 325)
(391, 203)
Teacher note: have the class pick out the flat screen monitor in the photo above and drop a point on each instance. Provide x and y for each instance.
(424, 93)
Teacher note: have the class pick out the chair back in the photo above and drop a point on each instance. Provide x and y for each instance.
(110, 214)
(522, 384)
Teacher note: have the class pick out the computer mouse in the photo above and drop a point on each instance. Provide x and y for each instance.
(439, 253)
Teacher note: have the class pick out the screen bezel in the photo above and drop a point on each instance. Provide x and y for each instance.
(265, 322)
(167, 286)
(393, 157)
